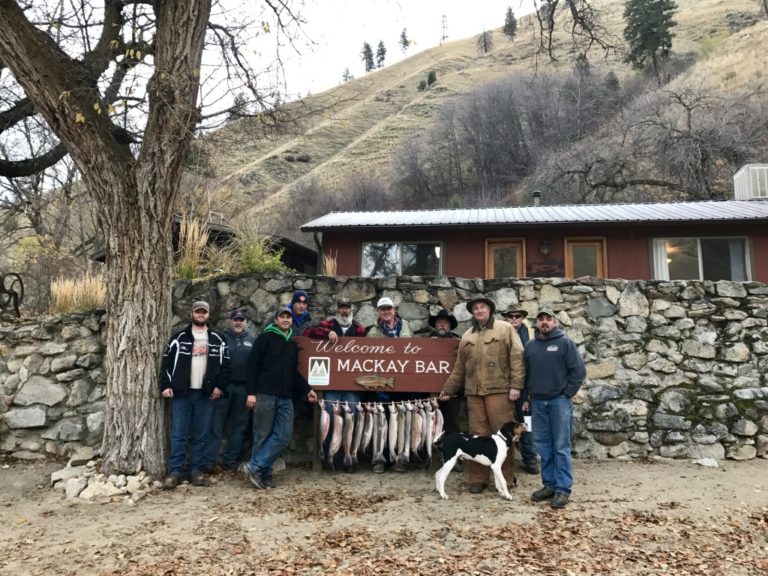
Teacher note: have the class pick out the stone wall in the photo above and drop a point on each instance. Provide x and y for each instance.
(675, 369)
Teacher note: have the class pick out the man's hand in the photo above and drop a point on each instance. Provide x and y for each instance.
(167, 393)
(216, 394)
(443, 396)
(250, 402)
(312, 395)
(333, 337)
(514, 394)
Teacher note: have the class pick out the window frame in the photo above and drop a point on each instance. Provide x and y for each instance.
(601, 241)
(522, 264)
(661, 270)
(399, 243)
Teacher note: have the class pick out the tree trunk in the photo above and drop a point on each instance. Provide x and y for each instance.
(140, 265)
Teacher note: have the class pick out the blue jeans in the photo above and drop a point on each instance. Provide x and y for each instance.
(272, 431)
(353, 398)
(552, 423)
(190, 417)
(230, 415)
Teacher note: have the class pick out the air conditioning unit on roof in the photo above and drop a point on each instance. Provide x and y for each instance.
(751, 182)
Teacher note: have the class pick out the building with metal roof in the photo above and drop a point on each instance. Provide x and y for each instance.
(712, 240)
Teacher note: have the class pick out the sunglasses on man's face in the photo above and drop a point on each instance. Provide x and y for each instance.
(514, 316)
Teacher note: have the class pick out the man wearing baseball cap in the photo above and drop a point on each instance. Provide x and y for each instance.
(388, 325)
(554, 373)
(194, 373)
(230, 414)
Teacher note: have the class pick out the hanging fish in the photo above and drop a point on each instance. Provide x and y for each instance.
(368, 428)
(392, 433)
(401, 432)
(359, 426)
(325, 425)
(439, 420)
(416, 431)
(338, 428)
(429, 419)
(349, 429)
(407, 432)
(423, 426)
(381, 436)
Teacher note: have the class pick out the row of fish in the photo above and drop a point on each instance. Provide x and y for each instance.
(405, 430)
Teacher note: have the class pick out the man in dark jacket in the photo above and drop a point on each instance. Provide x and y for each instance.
(342, 324)
(273, 379)
(300, 312)
(230, 413)
(194, 373)
(554, 373)
(516, 315)
(454, 409)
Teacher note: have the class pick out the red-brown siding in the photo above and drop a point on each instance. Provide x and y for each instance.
(628, 246)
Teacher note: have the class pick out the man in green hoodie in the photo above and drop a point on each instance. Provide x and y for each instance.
(273, 380)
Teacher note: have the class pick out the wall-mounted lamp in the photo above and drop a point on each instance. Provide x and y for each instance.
(544, 247)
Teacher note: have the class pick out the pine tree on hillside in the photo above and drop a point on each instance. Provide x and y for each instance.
(366, 55)
(648, 32)
(444, 28)
(510, 24)
(404, 41)
(485, 42)
(347, 75)
(381, 54)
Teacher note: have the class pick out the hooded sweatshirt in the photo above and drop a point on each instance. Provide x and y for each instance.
(553, 366)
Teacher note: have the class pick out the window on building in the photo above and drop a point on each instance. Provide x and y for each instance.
(504, 259)
(701, 259)
(401, 258)
(585, 257)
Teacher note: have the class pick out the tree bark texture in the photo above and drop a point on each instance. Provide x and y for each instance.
(134, 196)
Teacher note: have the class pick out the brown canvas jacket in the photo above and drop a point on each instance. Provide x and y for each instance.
(489, 361)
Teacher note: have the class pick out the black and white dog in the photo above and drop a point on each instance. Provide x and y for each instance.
(489, 451)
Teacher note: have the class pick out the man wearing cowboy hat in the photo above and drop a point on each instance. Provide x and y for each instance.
(443, 323)
(516, 315)
(489, 368)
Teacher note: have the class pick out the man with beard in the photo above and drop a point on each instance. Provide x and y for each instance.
(230, 414)
(554, 373)
(342, 324)
(195, 372)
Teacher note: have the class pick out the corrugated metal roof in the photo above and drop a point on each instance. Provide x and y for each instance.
(607, 213)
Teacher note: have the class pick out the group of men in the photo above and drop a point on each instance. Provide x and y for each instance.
(503, 369)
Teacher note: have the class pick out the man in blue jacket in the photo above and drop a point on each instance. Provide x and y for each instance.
(194, 373)
(230, 414)
(554, 372)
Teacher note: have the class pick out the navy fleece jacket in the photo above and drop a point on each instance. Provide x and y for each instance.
(553, 366)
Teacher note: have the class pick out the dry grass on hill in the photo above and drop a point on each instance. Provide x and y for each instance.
(360, 125)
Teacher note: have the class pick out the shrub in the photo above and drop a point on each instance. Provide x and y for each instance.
(83, 294)
(422, 85)
(256, 249)
(193, 238)
(431, 77)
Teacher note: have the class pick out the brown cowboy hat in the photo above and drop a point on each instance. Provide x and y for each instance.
(481, 298)
(515, 309)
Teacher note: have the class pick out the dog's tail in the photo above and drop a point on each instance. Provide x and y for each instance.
(438, 441)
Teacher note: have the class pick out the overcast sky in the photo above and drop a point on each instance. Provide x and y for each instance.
(339, 28)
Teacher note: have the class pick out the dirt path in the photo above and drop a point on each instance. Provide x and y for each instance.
(624, 518)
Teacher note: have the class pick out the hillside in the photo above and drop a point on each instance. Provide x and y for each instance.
(359, 126)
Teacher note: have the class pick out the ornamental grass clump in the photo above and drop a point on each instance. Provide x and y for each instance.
(84, 294)
(258, 252)
(193, 238)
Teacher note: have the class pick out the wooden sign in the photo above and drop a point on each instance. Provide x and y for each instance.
(377, 364)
